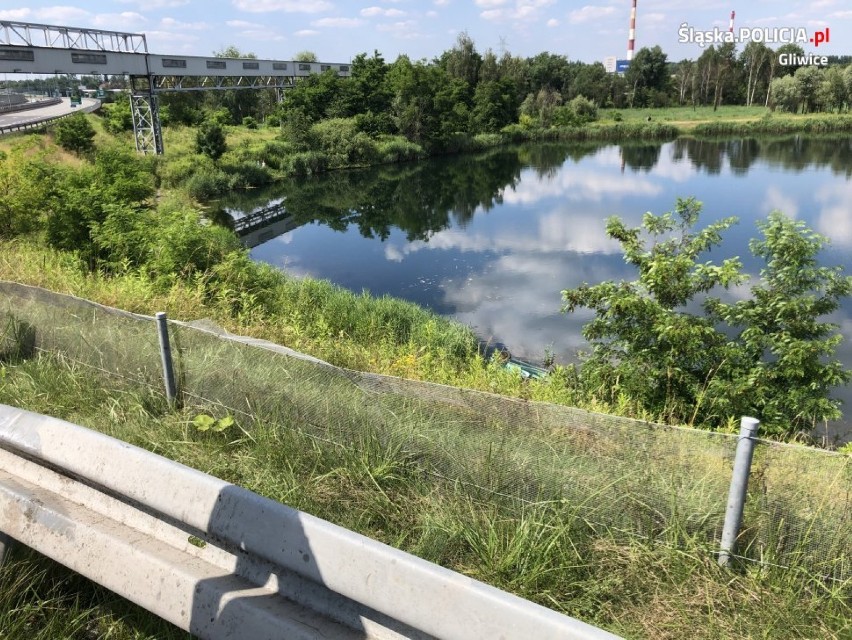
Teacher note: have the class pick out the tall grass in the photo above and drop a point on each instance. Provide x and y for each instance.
(767, 126)
(541, 550)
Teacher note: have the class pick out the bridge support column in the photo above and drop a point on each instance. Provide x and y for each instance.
(146, 120)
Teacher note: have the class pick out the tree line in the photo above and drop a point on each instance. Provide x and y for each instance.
(464, 90)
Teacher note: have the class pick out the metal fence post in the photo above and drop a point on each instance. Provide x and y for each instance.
(166, 355)
(739, 486)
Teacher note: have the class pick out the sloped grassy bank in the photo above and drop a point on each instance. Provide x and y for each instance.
(543, 551)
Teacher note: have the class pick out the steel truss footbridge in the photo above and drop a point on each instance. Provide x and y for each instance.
(47, 49)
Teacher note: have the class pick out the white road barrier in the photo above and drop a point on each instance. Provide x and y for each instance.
(225, 563)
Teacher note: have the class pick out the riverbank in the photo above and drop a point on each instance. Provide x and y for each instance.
(260, 156)
(111, 237)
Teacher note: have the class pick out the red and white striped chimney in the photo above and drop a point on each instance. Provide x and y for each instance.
(631, 39)
(733, 15)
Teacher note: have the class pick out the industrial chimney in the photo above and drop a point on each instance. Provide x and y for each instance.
(733, 15)
(631, 39)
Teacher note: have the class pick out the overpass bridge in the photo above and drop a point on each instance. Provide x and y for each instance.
(48, 49)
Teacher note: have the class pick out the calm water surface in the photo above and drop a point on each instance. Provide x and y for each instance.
(491, 240)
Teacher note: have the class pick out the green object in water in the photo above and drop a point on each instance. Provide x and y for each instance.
(526, 369)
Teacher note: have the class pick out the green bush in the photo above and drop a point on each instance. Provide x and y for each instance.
(178, 172)
(343, 144)
(117, 117)
(75, 134)
(249, 122)
(584, 109)
(307, 163)
(482, 141)
(769, 355)
(210, 140)
(208, 183)
(275, 153)
(182, 245)
(398, 149)
(246, 174)
(29, 183)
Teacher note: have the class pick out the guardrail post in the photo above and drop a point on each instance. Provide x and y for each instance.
(739, 487)
(166, 356)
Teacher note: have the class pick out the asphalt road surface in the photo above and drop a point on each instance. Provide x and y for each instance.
(36, 115)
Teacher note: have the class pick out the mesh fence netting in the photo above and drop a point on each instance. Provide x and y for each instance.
(620, 476)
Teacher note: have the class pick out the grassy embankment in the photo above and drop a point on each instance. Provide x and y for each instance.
(545, 554)
(544, 551)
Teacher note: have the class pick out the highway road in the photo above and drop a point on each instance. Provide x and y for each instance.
(32, 116)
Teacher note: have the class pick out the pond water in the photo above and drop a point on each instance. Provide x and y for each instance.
(492, 239)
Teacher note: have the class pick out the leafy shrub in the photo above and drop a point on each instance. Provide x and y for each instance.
(28, 183)
(482, 141)
(210, 140)
(179, 171)
(208, 183)
(275, 153)
(249, 122)
(220, 116)
(768, 355)
(342, 143)
(123, 175)
(398, 149)
(308, 163)
(182, 245)
(246, 174)
(117, 117)
(273, 120)
(584, 109)
(617, 117)
(75, 134)
(374, 124)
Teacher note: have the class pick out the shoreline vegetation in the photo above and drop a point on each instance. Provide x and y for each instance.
(130, 231)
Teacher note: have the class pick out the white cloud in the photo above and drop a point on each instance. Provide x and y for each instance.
(171, 23)
(490, 4)
(403, 30)
(553, 22)
(116, 21)
(371, 12)
(304, 33)
(775, 199)
(287, 6)
(61, 14)
(522, 10)
(834, 220)
(14, 14)
(589, 13)
(156, 4)
(243, 24)
(342, 23)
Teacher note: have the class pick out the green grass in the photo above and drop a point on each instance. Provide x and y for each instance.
(685, 117)
(543, 550)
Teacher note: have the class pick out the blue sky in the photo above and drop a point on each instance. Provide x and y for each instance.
(337, 30)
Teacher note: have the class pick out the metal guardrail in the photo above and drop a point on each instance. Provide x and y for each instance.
(27, 106)
(38, 124)
(222, 562)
